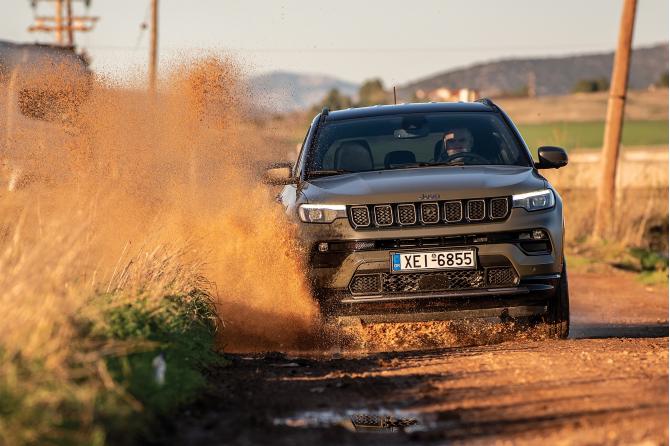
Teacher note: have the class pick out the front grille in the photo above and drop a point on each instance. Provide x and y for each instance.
(360, 216)
(498, 208)
(383, 215)
(453, 211)
(421, 213)
(430, 213)
(476, 210)
(433, 281)
(406, 214)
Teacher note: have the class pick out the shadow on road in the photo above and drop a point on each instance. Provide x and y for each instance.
(603, 331)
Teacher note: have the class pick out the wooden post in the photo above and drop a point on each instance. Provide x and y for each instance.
(153, 54)
(59, 22)
(614, 122)
(70, 31)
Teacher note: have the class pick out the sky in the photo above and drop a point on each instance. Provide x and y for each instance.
(354, 40)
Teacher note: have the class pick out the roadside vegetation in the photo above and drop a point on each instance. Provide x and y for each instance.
(94, 364)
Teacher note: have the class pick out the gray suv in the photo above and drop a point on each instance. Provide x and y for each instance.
(436, 211)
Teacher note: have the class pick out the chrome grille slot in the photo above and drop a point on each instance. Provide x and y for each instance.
(406, 214)
(360, 216)
(475, 210)
(430, 213)
(383, 215)
(498, 208)
(453, 211)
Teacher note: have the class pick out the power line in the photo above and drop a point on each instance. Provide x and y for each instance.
(357, 50)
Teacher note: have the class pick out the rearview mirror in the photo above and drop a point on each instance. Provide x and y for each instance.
(279, 174)
(551, 157)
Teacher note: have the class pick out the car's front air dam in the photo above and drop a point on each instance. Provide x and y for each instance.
(529, 298)
(361, 262)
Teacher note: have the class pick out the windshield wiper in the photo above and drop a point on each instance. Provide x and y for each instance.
(325, 173)
(421, 164)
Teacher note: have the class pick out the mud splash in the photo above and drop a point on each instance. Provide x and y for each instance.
(382, 337)
(174, 168)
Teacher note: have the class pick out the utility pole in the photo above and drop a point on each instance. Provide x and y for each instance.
(57, 24)
(153, 51)
(70, 31)
(614, 122)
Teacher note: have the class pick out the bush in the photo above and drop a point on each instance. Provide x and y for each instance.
(591, 85)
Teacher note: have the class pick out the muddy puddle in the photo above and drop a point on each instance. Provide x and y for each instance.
(358, 420)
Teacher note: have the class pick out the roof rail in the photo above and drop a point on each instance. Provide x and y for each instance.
(487, 101)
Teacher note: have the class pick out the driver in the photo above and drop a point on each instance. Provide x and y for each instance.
(455, 141)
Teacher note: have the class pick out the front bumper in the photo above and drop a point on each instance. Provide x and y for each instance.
(535, 273)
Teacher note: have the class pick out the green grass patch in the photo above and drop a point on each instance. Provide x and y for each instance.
(570, 135)
(122, 402)
(653, 277)
(182, 333)
(579, 262)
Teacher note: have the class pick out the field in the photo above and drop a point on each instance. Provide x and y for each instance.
(571, 135)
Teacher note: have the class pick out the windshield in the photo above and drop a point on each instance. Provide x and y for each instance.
(415, 140)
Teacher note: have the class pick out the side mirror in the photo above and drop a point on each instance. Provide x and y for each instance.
(279, 174)
(551, 157)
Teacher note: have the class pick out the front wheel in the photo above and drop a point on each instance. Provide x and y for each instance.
(557, 319)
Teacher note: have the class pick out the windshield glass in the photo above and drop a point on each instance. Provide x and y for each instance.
(415, 140)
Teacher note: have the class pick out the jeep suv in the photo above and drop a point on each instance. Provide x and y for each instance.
(433, 211)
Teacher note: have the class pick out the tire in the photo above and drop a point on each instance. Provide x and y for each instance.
(557, 319)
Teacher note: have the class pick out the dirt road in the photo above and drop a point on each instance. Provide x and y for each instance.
(608, 384)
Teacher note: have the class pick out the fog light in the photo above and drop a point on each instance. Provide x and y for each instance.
(538, 234)
(323, 247)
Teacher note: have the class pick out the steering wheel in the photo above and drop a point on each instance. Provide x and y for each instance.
(466, 155)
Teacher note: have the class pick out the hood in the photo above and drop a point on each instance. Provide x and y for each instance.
(423, 184)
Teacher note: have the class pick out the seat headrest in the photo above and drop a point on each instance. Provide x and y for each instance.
(399, 157)
(354, 156)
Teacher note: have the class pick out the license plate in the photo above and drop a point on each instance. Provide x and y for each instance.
(433, 260)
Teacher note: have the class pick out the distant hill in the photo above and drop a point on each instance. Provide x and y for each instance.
(283, 91)
(553, 75)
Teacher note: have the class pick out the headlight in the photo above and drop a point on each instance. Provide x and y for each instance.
(534, 201)
(321, 213)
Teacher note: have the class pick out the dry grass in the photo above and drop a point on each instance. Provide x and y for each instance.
(641, 212)
(641, 105)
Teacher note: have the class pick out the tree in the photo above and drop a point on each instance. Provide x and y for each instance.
(591, 85)
(663, 80)
(334, 100)
(372, 93)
